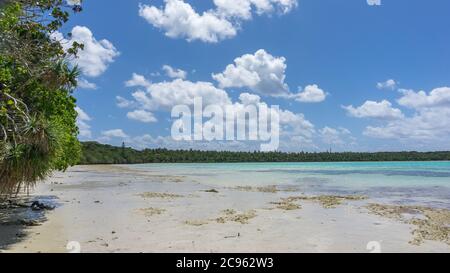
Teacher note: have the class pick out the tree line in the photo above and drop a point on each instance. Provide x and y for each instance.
(96, 153)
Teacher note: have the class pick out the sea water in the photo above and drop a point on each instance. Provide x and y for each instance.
(412, 183)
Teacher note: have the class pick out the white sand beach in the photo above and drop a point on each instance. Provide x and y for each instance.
(118, 209)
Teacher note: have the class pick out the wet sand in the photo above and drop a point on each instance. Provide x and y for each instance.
(117, 209)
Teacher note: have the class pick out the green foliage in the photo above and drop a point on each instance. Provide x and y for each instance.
(27, 161)
(38, 132)
(95, 153)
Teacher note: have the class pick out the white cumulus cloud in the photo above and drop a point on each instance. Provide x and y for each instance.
(96, 56)
(85, 84)
(374, 2)
(165, 95)
(174, 73)
(389, 84)
(178, 19)
(82, 123)
(336, 136)
(114, 133)
(142, 116)
(260, 72)
(311, 94)
(137, 80)
(376, 110)
(431, 126)
(162, 96)
(436, 98)
(428, 126)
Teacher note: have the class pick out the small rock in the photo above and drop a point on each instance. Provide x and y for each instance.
(212, 191)
(36, 205)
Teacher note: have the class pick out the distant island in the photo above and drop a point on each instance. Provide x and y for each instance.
(96, 153)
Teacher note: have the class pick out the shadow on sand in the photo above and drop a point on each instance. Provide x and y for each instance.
(18, 216)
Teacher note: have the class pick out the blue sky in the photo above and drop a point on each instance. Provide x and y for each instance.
(347, 75)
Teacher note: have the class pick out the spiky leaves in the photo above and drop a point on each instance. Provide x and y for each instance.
(38, 132)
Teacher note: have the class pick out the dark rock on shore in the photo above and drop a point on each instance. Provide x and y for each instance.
(36, 205)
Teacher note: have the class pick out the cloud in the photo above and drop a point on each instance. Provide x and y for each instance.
(123, 102)
(431, 126)
(389, 84)
(265, 74)
(168, 94)
(85, 84)
(142, 116)
(260, 72)
(96, 56)
(84, 129)
(295, 125)
(137, 80)
(311, 94)
(82, 115)
(374, 2)
(249, 99)
(73, 2)
(115, 133)
(243, 9)
(149, 141)
(162, 96)
(235, 8)
(82, 123)
(336, 137)
(174, 73)
(165, 95)
(297, 135)
(376, 110)
(330, 135)
(438, 97)
(428, 126)
(179, 19)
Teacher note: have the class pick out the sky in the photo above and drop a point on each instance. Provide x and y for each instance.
(347, 75)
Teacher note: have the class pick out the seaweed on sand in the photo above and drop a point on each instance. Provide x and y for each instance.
(287, 204)
(430, 223)
(329, 201)
(230, 215)
(159, 195)
(148, 212)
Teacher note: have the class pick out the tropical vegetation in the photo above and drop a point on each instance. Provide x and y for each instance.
(38, 132)
(95, 153)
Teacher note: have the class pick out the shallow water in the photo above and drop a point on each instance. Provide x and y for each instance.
(413, 183)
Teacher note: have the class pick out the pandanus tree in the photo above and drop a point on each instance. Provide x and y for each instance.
(38, 132)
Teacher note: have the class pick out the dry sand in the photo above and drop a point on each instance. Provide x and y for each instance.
(116, 209)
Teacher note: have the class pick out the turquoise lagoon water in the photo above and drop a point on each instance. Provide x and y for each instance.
(422, 183)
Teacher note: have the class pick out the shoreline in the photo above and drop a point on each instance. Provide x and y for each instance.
(261, 162)
(113, 208)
